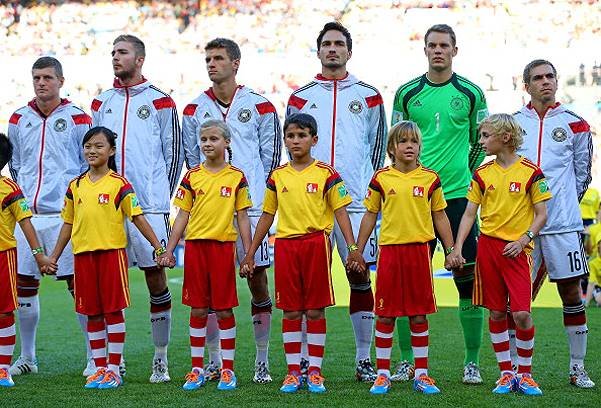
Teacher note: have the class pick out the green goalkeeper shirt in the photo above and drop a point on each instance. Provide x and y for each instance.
(448, 115)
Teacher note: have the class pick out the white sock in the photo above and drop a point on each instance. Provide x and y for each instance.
(212, 340)
(161, 332)
(363, 326)
(577, 339)
(83, 323)
(29, 316)
(262, 328)
(304, 342)
(513, 351)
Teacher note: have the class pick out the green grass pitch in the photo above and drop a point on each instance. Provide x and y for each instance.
(61, 357)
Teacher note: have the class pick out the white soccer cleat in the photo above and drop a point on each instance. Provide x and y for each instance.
(579, 377)
(471, 374)
(405, 371)
(160, 371)
(90, 368)
(262, 375)
(212, 371)
(23, 366)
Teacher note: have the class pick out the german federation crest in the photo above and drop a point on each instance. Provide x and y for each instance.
(355, 107)
(143, 112)
(457, 103)
(559, 134)
(244, 115)
(60, 125)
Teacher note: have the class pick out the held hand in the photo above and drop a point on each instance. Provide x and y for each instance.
(46, 265)
(513, 249)
(166, 259)
(247, 267)
(454, 260)
(356, 264)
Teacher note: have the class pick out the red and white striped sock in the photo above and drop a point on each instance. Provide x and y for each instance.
(419, 343)
(316, 342)
(8, 335)
(499, 337)
(115, 328)
(292, 335)
(524, 341)
(384, 334)
(227, 335)
(97, 336)
(198, 332)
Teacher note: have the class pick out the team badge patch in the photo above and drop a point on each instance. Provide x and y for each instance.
(143, 112)
(397, 116)
(60, 125)
(457, 103)
(180, 194)
(355, 107)
(312, 187)
(103, 198)
(368, 194)
(543, 187)
(418, 191)
(559, 134)
(244, 115)
(24, 206)
(226, 191)
(515, 187)
(342, 191)
(134, 201)
(481, 115)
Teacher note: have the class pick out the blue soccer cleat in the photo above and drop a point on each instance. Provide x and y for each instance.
(381, 385)
(292, 383)
(94, 380)
(315, 382)
(227, 381)
(425, 385)
(110, 381)
(528, 386)
(194, 380)
(5, 378)
(505, 384)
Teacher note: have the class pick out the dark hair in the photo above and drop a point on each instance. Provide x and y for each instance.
(303, 121)
(441, 28)
(110, 136)
(48, 62)
(336, 26)
(139, 47)
(231, 48)
(533, 64)
(6, 150)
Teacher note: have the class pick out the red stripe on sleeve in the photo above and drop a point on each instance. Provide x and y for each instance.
(82, 119)
(163, 103)
(296, 101)
(579, 127)
(14, 119)
(96, 105)
(374, 100)
(265, 107)
(190, 109)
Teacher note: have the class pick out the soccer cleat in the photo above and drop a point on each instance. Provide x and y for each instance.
(194, 380)
(304, 369)
(471, 374)
(90, 368)
(110, 381)
(94, 380)
(381, 385)
(292, 383)
(122, 368)
(262, 375)
(505, 384)
(365, 371)
(315, 382)
(405, 371)
(160, 371)
(5, 378)
(528, 386)
(211, 371)
(23, 366)
(425, 385)
(579, 377)
(227, 381)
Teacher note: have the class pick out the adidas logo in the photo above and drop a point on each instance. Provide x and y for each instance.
(200, 192)
(313, 106)
(491, 188)
(28, 125)
(284, 190)
(109, 110)
(417, 103)
(207, 115)
(391, 191)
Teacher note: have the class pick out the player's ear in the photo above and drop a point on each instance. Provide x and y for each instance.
(314, 140)
(455, 49)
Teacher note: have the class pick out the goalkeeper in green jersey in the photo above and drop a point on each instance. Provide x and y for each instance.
(447, 109)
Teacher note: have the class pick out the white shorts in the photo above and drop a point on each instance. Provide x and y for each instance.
(47, 228)
(139, 250)
(262, 256)
(561, 256)
(370, 253)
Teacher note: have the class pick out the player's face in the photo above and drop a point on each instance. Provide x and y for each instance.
(125, 63)
(440, 51)
(407, 150)
(219, 65)
(97, 151)
(212, 143)
(491, 144)
(543, 84)
(298, 141)
(46, 84)
(333, 50)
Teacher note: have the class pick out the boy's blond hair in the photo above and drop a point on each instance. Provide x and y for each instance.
(501, 123)
(404, 128)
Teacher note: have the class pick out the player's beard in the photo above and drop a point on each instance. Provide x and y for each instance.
(125, 75)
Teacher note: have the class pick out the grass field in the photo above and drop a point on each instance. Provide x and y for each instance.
(61, 357)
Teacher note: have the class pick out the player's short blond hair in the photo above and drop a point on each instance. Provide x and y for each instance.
(501, 123)
(402, 129)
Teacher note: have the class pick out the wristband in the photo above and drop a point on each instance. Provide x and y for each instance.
(352, 247)
(530, 235)
(159, 251)
(448, 250)
(38, 250)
